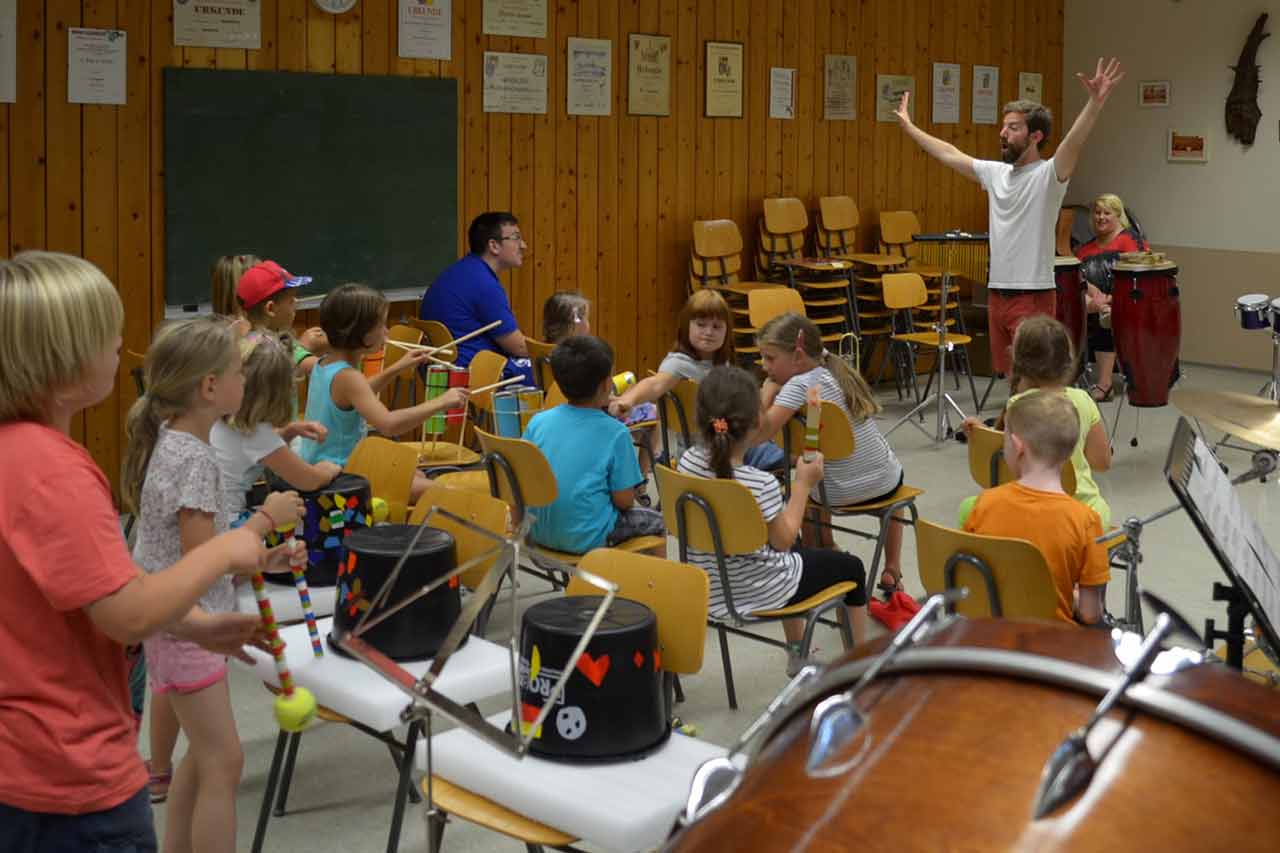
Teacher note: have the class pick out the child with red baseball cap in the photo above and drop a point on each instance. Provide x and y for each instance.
(266, 293)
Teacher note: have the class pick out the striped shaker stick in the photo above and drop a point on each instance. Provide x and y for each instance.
(298, 565)
(812, 422)
(273, 634)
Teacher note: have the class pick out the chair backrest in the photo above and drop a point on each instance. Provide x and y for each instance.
(898, 226)
(903, 290)
(1019, 585)
(677, 593)
(535, 482)
(838, 213)
(486, 368)
(132, 362)
(716, 238)
(987, 465)
(738, 520)
(389, 467)
(553, 396)
(540, 354)
(677, 409)
(785, 216)
(768, 302)
(835, 438)
(480, 509)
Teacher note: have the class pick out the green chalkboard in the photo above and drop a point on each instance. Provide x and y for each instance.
(339, 177)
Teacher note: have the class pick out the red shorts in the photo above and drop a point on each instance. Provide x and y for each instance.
(1006, 309)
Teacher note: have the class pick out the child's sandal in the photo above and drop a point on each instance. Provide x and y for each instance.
(895, 584)
(158, 784)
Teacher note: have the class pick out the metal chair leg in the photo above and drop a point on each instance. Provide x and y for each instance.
(273, 776)
(295, 739)
(728, 667)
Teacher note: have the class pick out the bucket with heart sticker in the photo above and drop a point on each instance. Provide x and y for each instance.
(612, 707)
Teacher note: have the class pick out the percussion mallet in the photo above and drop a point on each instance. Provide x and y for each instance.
(480, 331)
(493, 386)
(297, 566)
(295, 707)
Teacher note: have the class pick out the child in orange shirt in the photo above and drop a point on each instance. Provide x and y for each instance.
(1041, 431)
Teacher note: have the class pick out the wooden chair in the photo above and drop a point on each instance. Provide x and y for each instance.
(391, 354)
(987, 465)
(1012, 573)
(722, 518)
(435, 333)
(540, 355)
(676, 411)
(716, 262)
(836, 441)
(897, 231)
(905, 292)
(836, 235)
(678, 596)
(764, 305)
(521, 476)
(826, 286)
(389, 467)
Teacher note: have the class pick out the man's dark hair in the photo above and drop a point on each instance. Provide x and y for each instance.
(579, 364)
(486, 227)
(1037, 116)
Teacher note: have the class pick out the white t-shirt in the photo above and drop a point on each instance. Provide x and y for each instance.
(240, 458)
(685, 366)
(1022, 211)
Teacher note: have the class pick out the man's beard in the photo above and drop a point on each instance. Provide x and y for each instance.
(1010, 153)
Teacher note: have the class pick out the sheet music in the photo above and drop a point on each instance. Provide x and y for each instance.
(1236, 531)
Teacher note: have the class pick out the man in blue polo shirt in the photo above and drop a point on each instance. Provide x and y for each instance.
(468, 295)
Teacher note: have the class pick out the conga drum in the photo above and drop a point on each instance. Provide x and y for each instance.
(955, 734)
(1070, 310)
(332, 514)
(1146, 321)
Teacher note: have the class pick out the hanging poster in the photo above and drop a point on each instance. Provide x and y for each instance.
(526, 18)
(96, 61)
(986, 94)
(724, 79)
(782, 91)
(227, 23)
(1030, 87)
(426, 29)
(590, 89)
(840, 88)
(946, 93)
(648, 75)
(8, 51)
(889, 89)
(515, 82)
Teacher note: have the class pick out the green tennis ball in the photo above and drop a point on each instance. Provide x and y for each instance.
(379, 507)
(294, 713)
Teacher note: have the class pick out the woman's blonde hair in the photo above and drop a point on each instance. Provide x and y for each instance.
(178, 360)
(1116, 206)
(226, 275)
(790, 331)
(269, 387)
(58, 314)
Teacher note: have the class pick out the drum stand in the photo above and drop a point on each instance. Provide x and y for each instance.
(940, 398)
(1235, 634)
(1269, 391)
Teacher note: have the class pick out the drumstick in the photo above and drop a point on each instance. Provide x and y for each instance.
(446, 348)
(297, 566)
(295, 707)
(496, 385)
(470, 335)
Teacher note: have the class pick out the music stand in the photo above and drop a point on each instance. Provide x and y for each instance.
(941, 397)
(1235, 538)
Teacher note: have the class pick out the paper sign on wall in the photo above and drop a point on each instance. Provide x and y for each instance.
(227, 23)
(590, 89)
(1030, 86)
(840, 88)
(946, 93)
(426, 29)
(96, 63)
(782, 92)
(515, 18)
(986, 93)
(649, 75)
(8, 51)
(889, 89)
(515, 82)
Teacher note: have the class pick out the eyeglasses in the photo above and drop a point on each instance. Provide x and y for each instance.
(518, 237)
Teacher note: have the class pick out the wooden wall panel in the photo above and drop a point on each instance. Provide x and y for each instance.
(606, 202)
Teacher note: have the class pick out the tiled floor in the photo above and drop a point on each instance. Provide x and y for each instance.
(341, 797)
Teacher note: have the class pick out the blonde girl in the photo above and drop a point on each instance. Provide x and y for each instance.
(776, 575)
(73, 598)
(794, 360)
(226, 275)
(172, 484)
(565, 313)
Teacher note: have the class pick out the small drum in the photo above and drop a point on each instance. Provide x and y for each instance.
(960, 728)
(419, 630)
(440, 378)
(1071, 311)
(1146, 320)
(333, 514)
(514, 407)
(1253, 311)
(1275, 315)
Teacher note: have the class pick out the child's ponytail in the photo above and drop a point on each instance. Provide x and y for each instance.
(858, 397)
(792, 331)
(728, 410)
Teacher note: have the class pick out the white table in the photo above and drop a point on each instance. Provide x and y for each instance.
(478, 670)
(624, 806)
(285, 603)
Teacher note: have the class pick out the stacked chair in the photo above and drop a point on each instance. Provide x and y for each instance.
(716, 263)
(825, 286)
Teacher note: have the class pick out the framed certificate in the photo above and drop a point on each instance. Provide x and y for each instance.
(724, 79)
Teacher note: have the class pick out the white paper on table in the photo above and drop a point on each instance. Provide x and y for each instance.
(782, 92)
(515, 82)
(986, 94)
(96, 66)
(515, 18)
(946, 93)
(8, 51)
(426, 29)
(590, 85)
(226, 23)
(840, 88)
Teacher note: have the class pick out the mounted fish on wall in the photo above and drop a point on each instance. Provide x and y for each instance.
(1243, 112)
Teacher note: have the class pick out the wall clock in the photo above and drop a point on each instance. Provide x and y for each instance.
(335, 7)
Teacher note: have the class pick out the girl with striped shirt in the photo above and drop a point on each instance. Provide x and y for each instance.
(777, 574)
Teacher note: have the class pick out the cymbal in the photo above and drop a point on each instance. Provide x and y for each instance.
(1255, 419)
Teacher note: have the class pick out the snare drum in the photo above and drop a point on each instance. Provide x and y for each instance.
(1070, 310)
(1146, 320)
(1253, 310)
(957, 731)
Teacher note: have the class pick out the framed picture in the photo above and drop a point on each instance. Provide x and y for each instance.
(1187, 146)
(1154, 93)
(724, 79)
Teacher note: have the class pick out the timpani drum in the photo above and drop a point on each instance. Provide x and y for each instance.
(957, 730)
(1253, 310)
(1146, 321)
(1070, 310)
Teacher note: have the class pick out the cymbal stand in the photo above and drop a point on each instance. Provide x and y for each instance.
(1270, 390)
(940, 398)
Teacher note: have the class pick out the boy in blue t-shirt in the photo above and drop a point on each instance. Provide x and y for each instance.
(592, 457)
